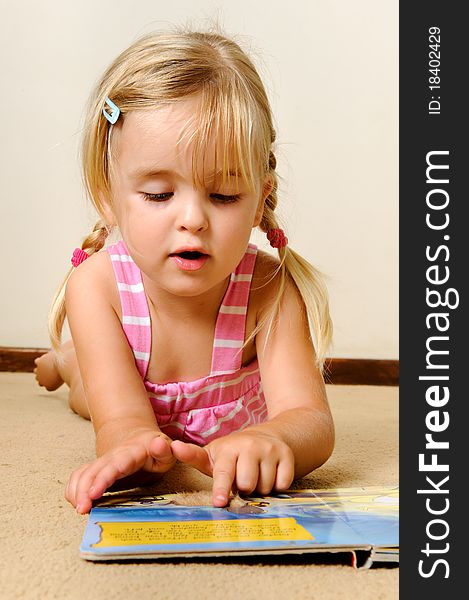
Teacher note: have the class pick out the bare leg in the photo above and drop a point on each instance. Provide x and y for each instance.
(51, 373)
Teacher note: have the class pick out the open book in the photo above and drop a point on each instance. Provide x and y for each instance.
(363, 522)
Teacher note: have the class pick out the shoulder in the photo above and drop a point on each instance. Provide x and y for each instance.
(265, 276)
(267, 286)
(93, 278)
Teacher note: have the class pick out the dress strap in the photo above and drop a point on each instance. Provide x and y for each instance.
(135, 312)
(231, 321)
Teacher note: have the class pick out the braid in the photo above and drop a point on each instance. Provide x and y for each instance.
(96, 239)
(269, 220)
(91, 244)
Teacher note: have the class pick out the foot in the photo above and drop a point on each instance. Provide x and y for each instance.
(47, 372)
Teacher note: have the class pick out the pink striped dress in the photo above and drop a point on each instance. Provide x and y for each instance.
(228, 399)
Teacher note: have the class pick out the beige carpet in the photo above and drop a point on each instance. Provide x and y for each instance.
(42, 441)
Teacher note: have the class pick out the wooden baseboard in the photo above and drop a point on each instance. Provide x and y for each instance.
(341, 371)
(19, 360)
(362, 371)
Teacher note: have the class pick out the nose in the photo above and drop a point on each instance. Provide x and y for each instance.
(192, 215)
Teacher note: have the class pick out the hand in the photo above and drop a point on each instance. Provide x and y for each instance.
(249, 459)
(147, 451)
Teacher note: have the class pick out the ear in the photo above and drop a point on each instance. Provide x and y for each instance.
(266, 189)
(106, 210)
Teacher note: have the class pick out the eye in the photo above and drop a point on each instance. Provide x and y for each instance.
(225, 199)
(157, 197)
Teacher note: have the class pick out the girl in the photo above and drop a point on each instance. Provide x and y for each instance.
(187, 343)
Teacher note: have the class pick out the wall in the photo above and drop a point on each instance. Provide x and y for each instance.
(331, 70)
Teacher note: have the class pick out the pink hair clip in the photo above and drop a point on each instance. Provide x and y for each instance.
(78, 257)
(277, 238)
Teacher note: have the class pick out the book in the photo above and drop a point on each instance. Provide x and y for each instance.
(362, 522)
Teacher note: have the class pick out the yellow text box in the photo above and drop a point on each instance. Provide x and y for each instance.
(200, 532)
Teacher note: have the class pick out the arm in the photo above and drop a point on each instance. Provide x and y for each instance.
(299, 434)
(295, 393)
(127, 435)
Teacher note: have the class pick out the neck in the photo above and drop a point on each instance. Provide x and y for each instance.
(185, 307)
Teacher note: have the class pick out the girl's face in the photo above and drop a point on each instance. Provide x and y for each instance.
(185, 239)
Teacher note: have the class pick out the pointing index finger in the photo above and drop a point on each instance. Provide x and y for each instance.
(223, 476)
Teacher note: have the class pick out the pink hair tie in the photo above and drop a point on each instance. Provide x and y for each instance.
(78, 257)
(277, 238)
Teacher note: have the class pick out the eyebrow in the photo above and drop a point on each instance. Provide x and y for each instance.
(148, 173)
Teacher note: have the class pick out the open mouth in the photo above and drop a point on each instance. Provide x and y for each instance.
(189, 260)
(189, 255)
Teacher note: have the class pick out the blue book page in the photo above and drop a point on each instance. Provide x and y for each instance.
(371, 512)
(294, 520)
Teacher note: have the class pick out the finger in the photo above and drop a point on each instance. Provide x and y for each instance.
(81, 485)
(285, 474)
(82, 502)
(192, 455)
(117, 466)
(93, 481)
(160, 446)
(160, 454)
(224, 471)
(267, 477)
(70, 488)
(80, 482)
(247, 473)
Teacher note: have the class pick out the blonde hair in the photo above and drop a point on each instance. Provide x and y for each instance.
(160, 69)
